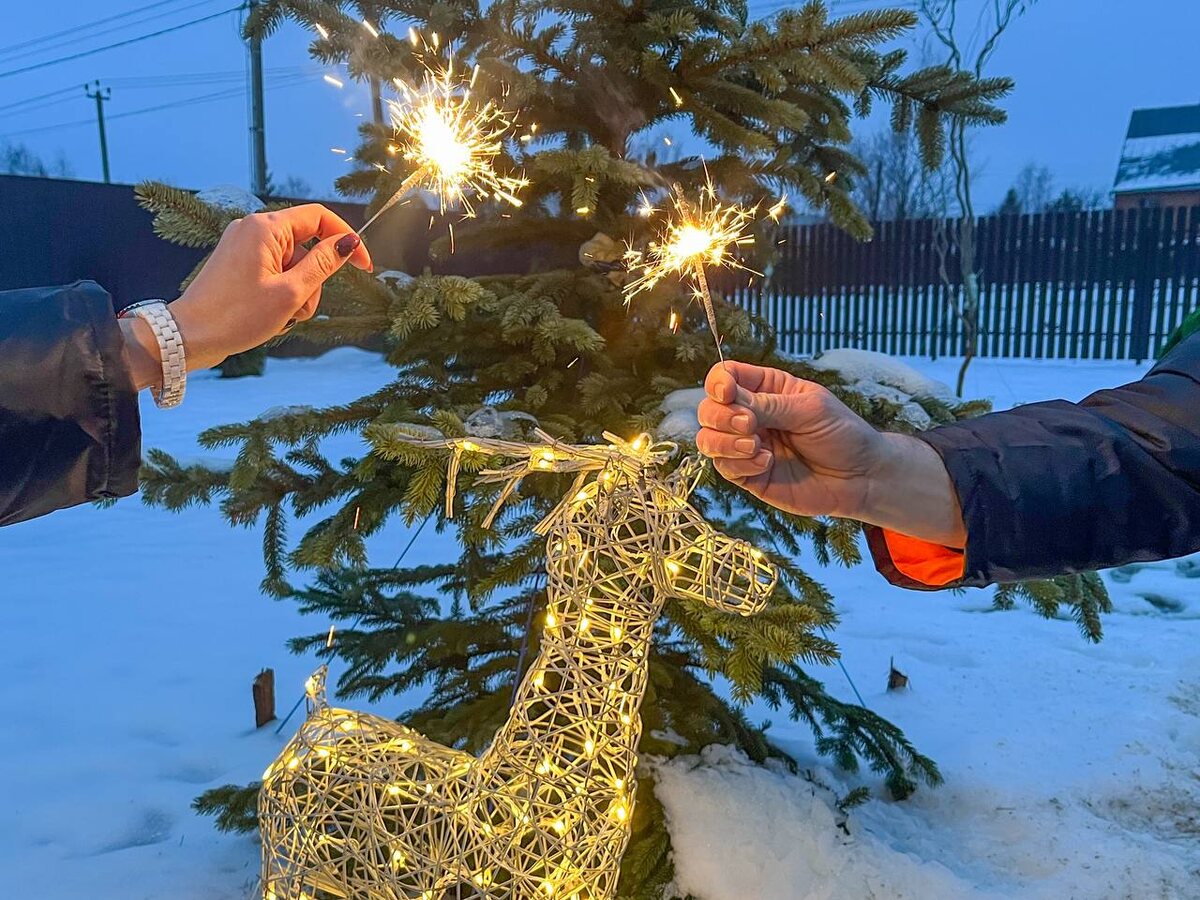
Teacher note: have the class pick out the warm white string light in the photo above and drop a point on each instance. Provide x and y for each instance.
(358, 806)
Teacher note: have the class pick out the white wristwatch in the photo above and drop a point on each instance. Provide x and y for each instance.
(170, 347)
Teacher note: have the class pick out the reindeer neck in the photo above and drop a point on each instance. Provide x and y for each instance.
(577, 709)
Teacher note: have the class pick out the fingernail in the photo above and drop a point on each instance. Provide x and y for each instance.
(742, 424)
(347, 244)
(745, 445)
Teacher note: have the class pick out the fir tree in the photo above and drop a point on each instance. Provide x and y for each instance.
(549, 336)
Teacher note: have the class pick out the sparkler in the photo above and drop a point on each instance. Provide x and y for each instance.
(698, 233)
(452, 140)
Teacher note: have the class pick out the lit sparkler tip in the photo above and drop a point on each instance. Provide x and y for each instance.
(701, 232)
(451, 141)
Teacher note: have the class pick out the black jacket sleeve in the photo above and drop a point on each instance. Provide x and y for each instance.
(1054, 488)
(69, 425)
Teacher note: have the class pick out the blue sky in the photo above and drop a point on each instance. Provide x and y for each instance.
(1080, 67)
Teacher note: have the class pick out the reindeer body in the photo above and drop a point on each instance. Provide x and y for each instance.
(362, 807)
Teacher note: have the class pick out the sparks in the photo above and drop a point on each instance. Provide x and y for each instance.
(336, 82)
(699, 233)
(322, 31)
(675, 96)
(778, 208)
(452, 142)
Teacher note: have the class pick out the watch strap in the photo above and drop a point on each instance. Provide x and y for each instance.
(157, 315)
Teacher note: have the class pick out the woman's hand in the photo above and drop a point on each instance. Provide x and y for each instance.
(258, 278)
(793, 444)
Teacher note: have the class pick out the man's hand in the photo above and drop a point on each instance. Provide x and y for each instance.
(259, 278)
(789, 442)
(794, 445)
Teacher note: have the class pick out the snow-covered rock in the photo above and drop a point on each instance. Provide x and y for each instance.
(878, 376)
(910, 411)
(279, 412)
(232, 197)
(869, 367)
(680, 422)
(396, 279)
(489, 422)
(212, 463)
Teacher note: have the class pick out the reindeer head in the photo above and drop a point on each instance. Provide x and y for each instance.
(647, 518)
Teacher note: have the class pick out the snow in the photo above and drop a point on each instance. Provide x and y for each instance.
(232, 197)
(868, 366)
(1160, 162)
(1072, 770)
(680, 421)
(882, 377)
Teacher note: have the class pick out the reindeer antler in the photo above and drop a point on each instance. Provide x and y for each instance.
(548, 454)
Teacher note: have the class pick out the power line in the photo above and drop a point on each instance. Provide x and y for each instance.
(12, 57)
(51, 99)
(29, 100)
(73, 97)
(58, 34)
(125, 43)
(191, 101)
(146, 82)
(31, 106)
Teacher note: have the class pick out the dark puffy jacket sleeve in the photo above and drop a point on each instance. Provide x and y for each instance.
(69, 426)
(1054, 488)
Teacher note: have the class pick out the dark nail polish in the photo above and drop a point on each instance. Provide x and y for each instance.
(348, 244)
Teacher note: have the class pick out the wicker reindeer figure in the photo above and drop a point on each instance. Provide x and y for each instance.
(361, 807)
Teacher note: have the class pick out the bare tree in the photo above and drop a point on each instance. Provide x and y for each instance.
(897, 185)
(1034, 187)
(17, 159)
(968, 48)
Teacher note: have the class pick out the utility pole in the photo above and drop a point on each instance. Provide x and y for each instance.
(258, 131)
(100, 95)
(377, 100)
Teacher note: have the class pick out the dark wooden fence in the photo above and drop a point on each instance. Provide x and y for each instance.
(1104, 284)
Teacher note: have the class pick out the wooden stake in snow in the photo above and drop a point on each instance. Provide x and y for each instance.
(264, 697)
(897, 680)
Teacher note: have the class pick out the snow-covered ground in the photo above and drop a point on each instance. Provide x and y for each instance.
(131, 636)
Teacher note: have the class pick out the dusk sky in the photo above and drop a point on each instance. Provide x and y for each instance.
(1081, 66)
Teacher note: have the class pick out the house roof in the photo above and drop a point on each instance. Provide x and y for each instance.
(1162, 151)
